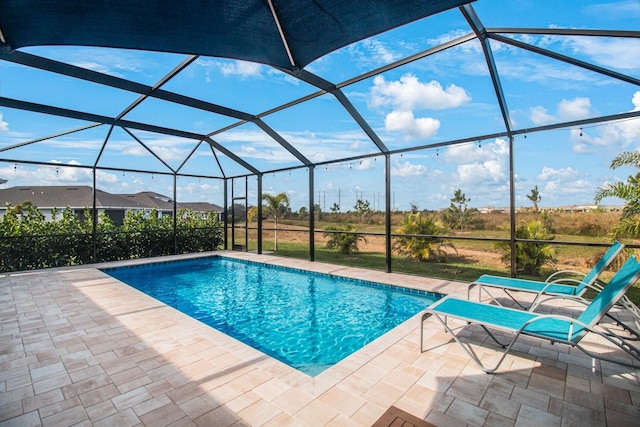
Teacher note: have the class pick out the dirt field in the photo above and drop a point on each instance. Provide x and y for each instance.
(377, 244)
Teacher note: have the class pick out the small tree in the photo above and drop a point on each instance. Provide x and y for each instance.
(458, 213)
(535, 198)
(347, 241)
(317, 211)
(276, 206)
(303, 212)
(531, 257)
(363, 207)
(428, 248)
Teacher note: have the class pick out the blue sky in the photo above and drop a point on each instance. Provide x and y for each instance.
(443, 97)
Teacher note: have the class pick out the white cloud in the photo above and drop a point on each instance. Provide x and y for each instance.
(540, 116)
(474, 173)
(566, 110)
(574, 109)
(557, 74)
(621, 133)
(481, 167)
(4, 126)
(557, 182)
(411, 127)
(20, 175)
(243, 69)
(409, 93)
(380, 51)
(115, 62)
(408, 169)
(366, 164)
(563, 174)
(372, 53)
(474, 153)
(621, 53)
(635, 100)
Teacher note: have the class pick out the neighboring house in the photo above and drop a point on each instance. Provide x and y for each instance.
(80, 198)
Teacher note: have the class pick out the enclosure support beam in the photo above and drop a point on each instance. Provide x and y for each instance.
(387, 209)
(259, 205)
(512, 206)
(94, 215)
(246, 214)
(312, 216)
(226, 214)
(175, 215)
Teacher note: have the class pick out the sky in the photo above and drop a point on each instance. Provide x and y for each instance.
(443, 97)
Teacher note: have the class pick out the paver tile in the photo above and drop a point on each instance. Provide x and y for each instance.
(99, 353)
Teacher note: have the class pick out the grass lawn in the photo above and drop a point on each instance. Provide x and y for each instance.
(459, 271)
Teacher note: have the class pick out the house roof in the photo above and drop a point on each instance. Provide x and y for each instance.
(79, 197)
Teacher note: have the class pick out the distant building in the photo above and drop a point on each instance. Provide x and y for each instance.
(80, 198)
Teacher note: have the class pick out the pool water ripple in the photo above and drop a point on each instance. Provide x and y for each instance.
(308, 320)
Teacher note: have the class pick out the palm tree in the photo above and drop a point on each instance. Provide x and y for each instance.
(628, 191)
(277, 206)
(429, 248)
(346, 242)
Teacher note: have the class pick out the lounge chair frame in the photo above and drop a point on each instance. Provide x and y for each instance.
(555, 284)
(576, 328)
(570, 287)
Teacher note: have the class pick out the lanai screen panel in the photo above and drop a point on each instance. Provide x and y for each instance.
(322, 130)
(391, 47)
(216, 80)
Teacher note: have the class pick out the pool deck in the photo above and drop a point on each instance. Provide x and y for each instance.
(77, 347)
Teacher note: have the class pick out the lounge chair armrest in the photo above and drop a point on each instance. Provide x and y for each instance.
(557, 273)
(560, 282)
(564, 280)
(559, 297)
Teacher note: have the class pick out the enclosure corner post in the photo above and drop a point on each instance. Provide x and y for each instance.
(175, 215)
(512, 207)
(94, 214)
(387, 208)
(225, 213)
(312, 216)
(259, 205)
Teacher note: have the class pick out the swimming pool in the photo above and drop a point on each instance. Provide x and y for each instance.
(308, 320)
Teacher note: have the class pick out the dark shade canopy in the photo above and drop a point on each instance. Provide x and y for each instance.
(287, 34)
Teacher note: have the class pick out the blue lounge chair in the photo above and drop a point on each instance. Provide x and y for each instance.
(556, 284)
(554, 328)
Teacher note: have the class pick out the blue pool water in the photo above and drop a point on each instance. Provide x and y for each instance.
(308, 320)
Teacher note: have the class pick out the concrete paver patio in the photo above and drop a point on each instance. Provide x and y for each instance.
(77, 347)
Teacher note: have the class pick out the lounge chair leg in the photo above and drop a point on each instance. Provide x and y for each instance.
(493, 336)
(472, 354)
(424, 317)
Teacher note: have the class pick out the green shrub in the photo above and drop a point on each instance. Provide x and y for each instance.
(28, 241)
(531, 257)
(346, 242)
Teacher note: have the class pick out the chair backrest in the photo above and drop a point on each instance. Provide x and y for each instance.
(600, 266)
(619, 284)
